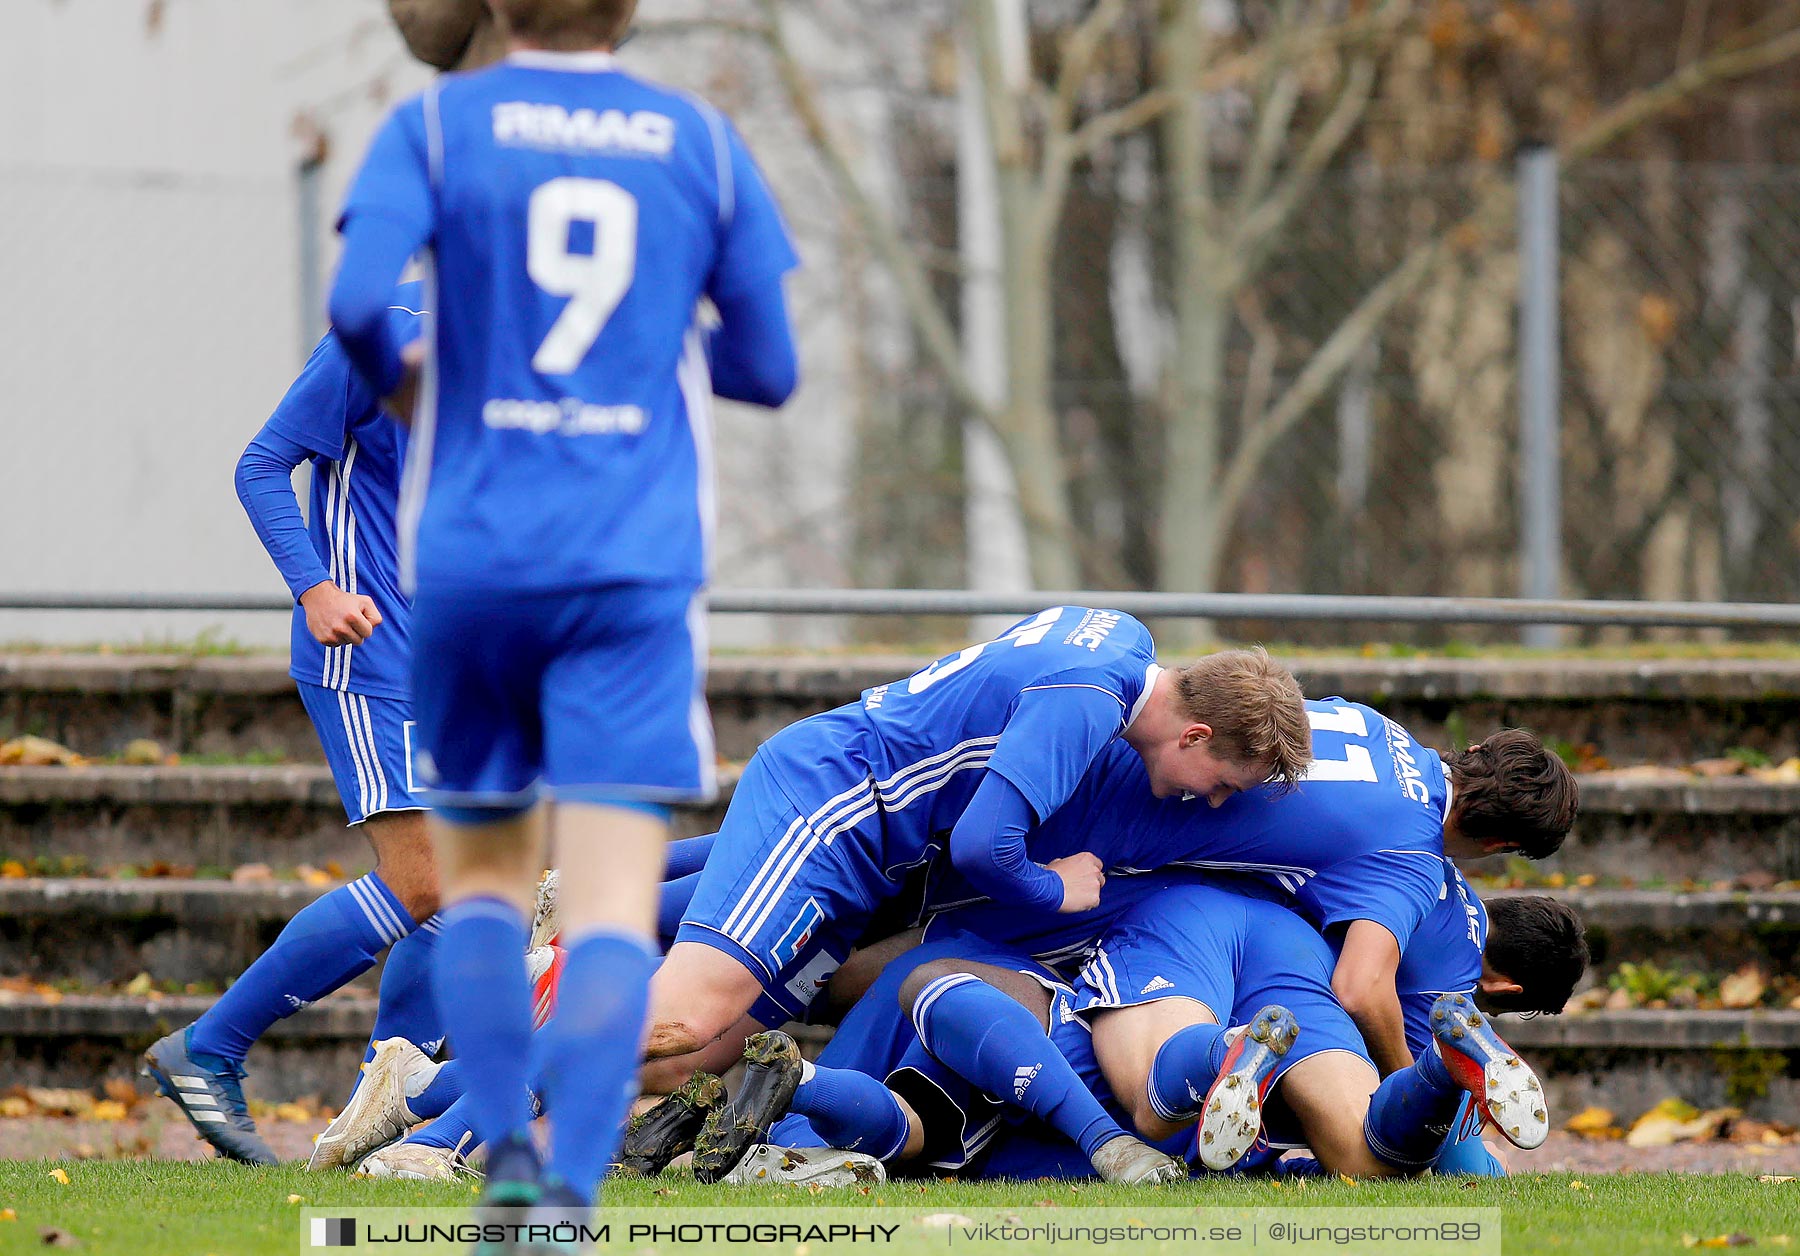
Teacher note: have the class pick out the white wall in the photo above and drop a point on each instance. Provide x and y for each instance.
(149, 295)
(150, 300)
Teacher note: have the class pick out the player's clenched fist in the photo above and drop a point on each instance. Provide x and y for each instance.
(335, 617)
(1082, 876)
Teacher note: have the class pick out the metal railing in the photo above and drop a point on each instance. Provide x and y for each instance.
(1292, 607)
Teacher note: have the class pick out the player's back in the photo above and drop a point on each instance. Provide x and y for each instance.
(581, 213)
(1370, 788)
(1061, 684)
(1443, 956)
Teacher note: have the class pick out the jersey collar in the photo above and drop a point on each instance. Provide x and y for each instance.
(546, 59)
(1150, 674)
(1449, 788)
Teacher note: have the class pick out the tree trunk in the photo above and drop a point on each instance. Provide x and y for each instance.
(1191, 541)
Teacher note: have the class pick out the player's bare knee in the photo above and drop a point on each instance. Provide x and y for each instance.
(924, 975)
(663, 1076)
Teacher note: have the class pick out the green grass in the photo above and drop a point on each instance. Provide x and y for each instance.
(164, 1209)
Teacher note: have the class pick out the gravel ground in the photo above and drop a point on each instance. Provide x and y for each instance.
(167, 1138)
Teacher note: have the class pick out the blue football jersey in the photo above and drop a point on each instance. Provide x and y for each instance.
(575, 217)
(359, 451)
(1036, 705)
(1360, 839)
(1444, 956)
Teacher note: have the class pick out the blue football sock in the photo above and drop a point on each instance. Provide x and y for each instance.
(687, 855)
(1184, 1069)
(445, 1089)
(406, 1008)
(1411, 1112)
(448, 1130)
(851, 1111)
(588, 1054)
(997, 1044)
(673, 905)
(329, 941)
(485, 1001)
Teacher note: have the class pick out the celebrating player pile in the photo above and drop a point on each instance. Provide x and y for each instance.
(1164, 910)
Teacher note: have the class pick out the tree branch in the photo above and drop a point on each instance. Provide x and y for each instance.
(1320, 372)
(1721, 66)
(1078, 52)
(1256, 231)
(921, 305)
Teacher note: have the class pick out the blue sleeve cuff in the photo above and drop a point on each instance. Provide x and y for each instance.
(266, 489)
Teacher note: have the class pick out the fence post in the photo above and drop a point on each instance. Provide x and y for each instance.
(308, 180)
(1540, 388)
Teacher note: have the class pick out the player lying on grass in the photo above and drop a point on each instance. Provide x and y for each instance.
(930, 1088)
(349, 660)
(984, 746)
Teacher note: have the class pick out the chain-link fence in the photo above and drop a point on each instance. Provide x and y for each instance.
(1680, 312)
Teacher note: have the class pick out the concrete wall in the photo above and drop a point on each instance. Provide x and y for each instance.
(151, 299)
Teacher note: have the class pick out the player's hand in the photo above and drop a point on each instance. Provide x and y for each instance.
(1082, 876)
(335, 617)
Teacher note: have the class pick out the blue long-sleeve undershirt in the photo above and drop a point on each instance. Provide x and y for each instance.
(265, 486)
(751, 351)
(988, 847)
(376, 250)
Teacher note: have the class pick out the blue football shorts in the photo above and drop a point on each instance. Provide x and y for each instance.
(369, 743)
(785, 892)
(592, 695)
(1234, 956)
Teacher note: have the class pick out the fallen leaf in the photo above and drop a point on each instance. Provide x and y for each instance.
(15, 1106)
(7, 1214)
(117, 1088)
(1718, 767)
(109, 1110)
(140, 985)
(143, 753)
(13, 870)
(51, 1236)
(247, 873)
(1594, 1123)
(61, 1175)
(1578, 1185)
(296, 1199)
(1663, 1125)
(292, 1112)
(1744, 988)
(1773, 1177)
(38, 752)
(59, 1101)
(313, 876)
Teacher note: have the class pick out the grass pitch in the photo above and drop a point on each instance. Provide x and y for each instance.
(149, 1208)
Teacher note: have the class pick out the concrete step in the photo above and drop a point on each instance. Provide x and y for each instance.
(1630, 1061)
(1668, 710)
(103, 932)
(199, 816)
(1682, 828)
(1705, 931)
(1626, 1061)
(82, 1040)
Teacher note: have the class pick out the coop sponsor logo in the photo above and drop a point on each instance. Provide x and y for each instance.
(568, 417)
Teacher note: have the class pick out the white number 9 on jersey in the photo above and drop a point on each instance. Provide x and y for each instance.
(594, 282)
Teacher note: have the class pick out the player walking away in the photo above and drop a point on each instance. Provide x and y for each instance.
(982, 746)
(555, 520)
(350, 661)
